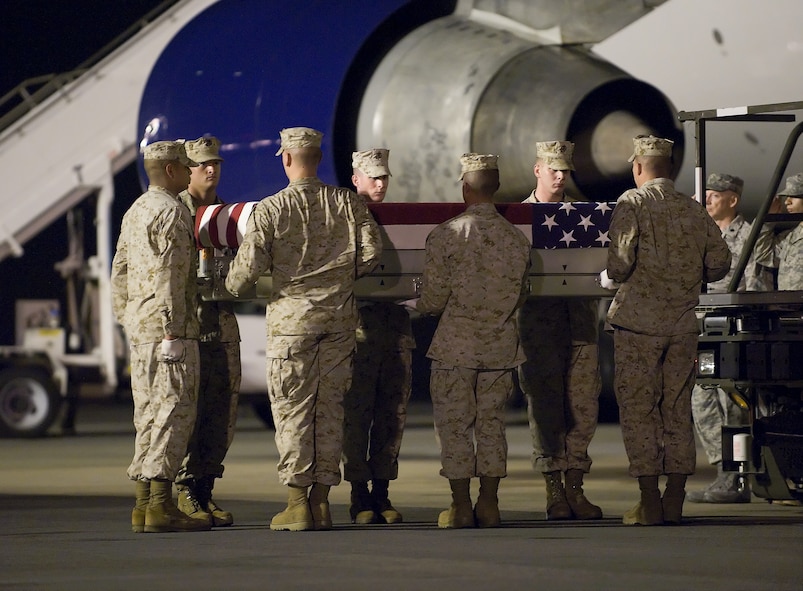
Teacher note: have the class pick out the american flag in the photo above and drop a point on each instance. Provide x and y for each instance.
(566, 224)
(571, 224)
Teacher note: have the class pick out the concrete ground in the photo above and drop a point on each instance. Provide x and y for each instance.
(65, 505)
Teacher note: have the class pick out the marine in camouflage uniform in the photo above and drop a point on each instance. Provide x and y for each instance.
(375, 407)
(315, 240)
(785, 252)
(475, 278)
(561, 377)
(663, 247)
(153, 297)
(712, 407)
(219, 348)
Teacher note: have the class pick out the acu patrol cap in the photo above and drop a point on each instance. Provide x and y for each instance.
(373, 163)
(555, 154)
(649, 145)
(204, 149)
(473, 162)
(299, 137)
(794, 186)
(168, 150)
(724, 182)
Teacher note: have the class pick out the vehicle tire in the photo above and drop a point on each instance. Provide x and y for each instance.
(29, 402)
(261, 407)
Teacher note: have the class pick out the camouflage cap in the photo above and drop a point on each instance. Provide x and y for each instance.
(473, 162)
(299, 137)
(168, 150)
(724, 182)
(373, 163)
(794, 186)
(204, 149)
(649, 145)
(555, 154)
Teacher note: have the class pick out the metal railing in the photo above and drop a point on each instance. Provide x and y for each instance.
(29, 93)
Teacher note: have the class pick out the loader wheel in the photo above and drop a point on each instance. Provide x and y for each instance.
(29, 402)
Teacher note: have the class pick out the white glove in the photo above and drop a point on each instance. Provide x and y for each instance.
(172, 350)
(604, 281)
(411, 304)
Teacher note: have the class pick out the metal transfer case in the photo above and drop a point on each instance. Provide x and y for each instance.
(569, 246)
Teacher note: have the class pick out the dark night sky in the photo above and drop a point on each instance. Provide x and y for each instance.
(40, 37)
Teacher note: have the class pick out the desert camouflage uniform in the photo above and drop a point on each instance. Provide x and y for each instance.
(153, 294)
(561, 378)
(664, 245)
(315, 240)
(219, 387)
(376, 405)
(711, 407)
(475, 277)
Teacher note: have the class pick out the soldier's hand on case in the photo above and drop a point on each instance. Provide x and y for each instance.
(172, 350)
(604, 281)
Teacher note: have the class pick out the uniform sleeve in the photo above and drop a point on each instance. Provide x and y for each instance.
(369, 239)
(624, 236)
(174, 249)
(119, 278)
(253, 257)
(436, 284)
(717, 260)
(765, 251)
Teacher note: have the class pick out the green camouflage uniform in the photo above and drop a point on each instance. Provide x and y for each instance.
(711, 407)
(219, 349)
(475, 277)
(376, 405)
(153, 294)
(315, 240)
(786, 254)
(561, 378)
(664, 245)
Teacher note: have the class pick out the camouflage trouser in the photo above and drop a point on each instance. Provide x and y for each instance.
(375, 410)
(653, 379)
(712, 408)
(561, 380)
(308, 375)
(469, 410)
(165, 396)
(217, 411)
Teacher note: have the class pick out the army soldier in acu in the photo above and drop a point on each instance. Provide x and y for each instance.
(475, 277)
(711, 406)
(376, 405)
(316, 240)
(663, 247)
(153, 296)
(219, 347)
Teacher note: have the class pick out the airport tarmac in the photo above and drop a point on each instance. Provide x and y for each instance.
(65, 505)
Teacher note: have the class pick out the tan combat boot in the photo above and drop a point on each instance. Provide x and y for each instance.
(672, 501)
(486, 511)
(319, 506)
(557, 507)
(297, 516)
(362, 508)
(189, 504)
(648, 511)
(460, 514)
(220, 518)
(143, 495)
(581, 507)
(162, 515)
(387, 513)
